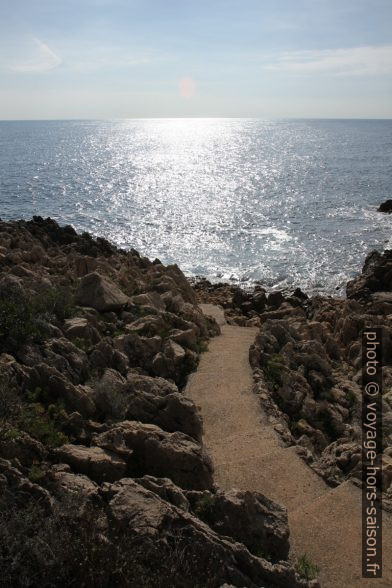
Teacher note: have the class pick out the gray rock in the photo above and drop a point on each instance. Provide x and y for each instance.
(159, 453)
(99, 292)
(98, 464)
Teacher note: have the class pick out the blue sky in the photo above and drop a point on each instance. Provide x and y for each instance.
(142, 58)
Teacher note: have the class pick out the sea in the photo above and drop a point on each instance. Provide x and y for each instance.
(283, 203)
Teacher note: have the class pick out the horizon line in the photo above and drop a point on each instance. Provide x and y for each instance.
(274, 118)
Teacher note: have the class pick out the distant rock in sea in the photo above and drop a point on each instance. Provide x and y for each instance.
(385, 206)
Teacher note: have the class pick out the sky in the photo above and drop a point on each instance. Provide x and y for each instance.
(77, 59)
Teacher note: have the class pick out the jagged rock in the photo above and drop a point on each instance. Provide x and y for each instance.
(18, 483)
(165, 488)
(23, 448)
(139, 350)
(385, 206)
(185, 338)
(155, 524)
(98, 464)
(341, 459)
(149, 299)
(159, 453)
(78, 484)
(79, 398)
(68, 359)
(275, 300)
(99, 292)
(386, 472)
(247, 517)
(149, 400)
(105, 355)
(80, 328)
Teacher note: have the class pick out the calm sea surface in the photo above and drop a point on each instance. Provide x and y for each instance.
(284, 202)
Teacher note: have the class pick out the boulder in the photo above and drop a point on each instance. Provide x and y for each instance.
(70, 483)
(148, 299)
(23, 448)
(165, 488)
(163, 531)
(247, 517)
(385, 206)
(80, 328)
(275, 299)
(99, 292)
(159, 453)
(149, 400)
(95, 462)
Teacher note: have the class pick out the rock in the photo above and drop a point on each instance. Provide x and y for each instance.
(275, 299)
(99, 292)
(386, 472)
(149, 400)
(165, 488)
(148, 299)
(138, 350)
(19, 485)
(209, 558)
(23, 448)
(79, 398)
(98, 464)
(105, 355)
(80, 328)
(185, 338)
(78, 484)
(342, 457)
(159, 453)
(247, 517)
(68, 359)
(385, 206)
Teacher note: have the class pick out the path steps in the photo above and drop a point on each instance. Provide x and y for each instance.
(248, 454)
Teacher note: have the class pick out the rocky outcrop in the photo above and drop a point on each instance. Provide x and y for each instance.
(98, 464)
(209, 557)
(150, 450)
(385, 206)
(97, 439)
(149, 400)
(307, 368)
(247, 517)
(98, 292)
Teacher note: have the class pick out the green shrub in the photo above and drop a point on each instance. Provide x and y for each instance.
(201, 346)
(42, 425)
(36, 473)
(205, 508)
(71, 545)
(273, 370)
(293, 426)
(24, 318)
(306, 568)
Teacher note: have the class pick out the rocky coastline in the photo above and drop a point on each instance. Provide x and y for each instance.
(307, 365)
(104, 480)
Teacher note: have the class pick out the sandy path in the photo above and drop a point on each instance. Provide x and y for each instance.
(248, 455)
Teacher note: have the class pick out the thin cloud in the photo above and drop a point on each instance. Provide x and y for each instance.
(355, 61)
(43, 59)
(98, 63)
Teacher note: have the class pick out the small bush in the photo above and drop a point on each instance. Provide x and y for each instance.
(273, 370)
(42, 425)
(25, 318)
(72, 545)
(306, 568)
(205, 508)
(36, 473)
(201, 346)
